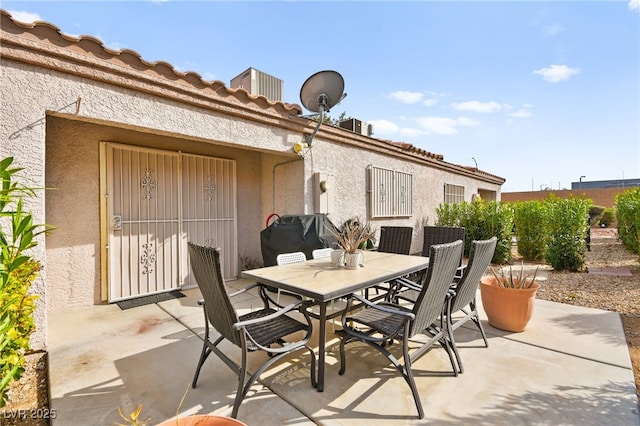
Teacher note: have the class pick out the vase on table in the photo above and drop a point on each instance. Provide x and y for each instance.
(353, 260)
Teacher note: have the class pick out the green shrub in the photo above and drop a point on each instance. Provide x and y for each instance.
(608, 217)
(566, 228)
(17, 272)
(482, 220)
(529, 219)
(627, 207)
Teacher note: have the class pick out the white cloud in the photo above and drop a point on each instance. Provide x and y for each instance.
(465, 121)
(429, 102)
(553, 30)
(439, 125)
(406, 97)
(478, 106)
(411, 132)
(557, 73)
(521, 113)
(384, 127)
(23, 16)
(634, 5)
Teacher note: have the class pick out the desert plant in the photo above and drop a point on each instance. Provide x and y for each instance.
(515, 280)
(354, 235)
(134, 418)
(18, 270)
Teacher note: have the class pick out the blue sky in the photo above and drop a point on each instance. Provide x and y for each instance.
(540, 93)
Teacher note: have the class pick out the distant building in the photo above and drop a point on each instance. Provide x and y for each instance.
(616, 183)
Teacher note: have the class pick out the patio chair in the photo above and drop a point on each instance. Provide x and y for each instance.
(463, 294)
(395, 239)
(260, 330)
(379, 323)
(322, 253)
(444, 234)
(432, 235)
(287, 259)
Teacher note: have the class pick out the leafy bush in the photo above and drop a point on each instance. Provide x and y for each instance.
(627, 207)
(482, 220)
(529, 218)
(566, 231)
(17, 272)
(608, 217)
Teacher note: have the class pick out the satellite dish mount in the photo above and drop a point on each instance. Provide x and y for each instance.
(319, 93)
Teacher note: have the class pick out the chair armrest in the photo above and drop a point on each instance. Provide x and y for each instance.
(406, 282)
(278, 313)
(385, 307)
(244, 290)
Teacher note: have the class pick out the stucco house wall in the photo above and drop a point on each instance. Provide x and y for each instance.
(63, 96)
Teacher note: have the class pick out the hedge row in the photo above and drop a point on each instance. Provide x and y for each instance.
(482, 220)
(627, 206)
(553, 230)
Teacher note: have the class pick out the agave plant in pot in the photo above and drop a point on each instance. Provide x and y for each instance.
(508, 298)
(353, 237)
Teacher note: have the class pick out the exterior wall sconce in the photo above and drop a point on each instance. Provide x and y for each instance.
(324, 186)
(300, 147)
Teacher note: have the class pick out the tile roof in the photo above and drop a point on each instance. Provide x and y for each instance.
(92, 46)
(41, 31)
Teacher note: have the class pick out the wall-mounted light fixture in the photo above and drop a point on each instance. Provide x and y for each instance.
(324, 185)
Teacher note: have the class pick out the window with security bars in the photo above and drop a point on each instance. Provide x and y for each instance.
(391, 193)
(453, 193)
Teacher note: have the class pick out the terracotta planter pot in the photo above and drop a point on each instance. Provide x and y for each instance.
(507, 308)
(202, 420)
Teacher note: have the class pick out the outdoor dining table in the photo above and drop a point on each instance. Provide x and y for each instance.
(322, 282)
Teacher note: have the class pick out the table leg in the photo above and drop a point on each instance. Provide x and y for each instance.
(322, 341)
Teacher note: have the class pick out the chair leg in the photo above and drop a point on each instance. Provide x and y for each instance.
(457, 367)
(203, 356)
(241, 392)
(206, 351)
(243, 387)
(478, 323)
(408, 375)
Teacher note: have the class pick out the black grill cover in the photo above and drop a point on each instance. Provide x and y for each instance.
(303, 233)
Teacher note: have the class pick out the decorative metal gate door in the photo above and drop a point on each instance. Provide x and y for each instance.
(209, 209)
(154, 208)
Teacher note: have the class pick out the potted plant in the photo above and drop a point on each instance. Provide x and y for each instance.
(354, 237)
(508, 298)
(198, 419)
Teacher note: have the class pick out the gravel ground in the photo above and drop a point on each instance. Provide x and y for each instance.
(29, 403)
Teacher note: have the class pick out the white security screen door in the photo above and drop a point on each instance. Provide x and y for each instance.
(156, 202)
(209, 209)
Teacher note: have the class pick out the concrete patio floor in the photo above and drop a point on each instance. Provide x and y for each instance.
(571, 366)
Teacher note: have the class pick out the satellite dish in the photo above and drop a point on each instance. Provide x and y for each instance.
(321, 92)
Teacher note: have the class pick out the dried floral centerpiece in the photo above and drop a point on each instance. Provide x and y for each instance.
(353, 237)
